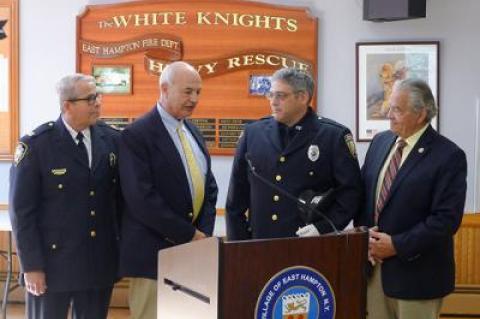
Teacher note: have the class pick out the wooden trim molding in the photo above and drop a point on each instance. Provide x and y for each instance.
(466, 297)
(467, 251)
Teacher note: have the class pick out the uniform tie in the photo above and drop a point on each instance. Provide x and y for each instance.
(82, 148)
(390, 174)
(196, 175)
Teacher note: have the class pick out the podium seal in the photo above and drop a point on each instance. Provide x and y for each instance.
(297, 292)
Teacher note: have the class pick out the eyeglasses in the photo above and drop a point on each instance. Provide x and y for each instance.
(281, 96)
(91, 99)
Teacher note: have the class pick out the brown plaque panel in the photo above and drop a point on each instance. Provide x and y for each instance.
(235, 45)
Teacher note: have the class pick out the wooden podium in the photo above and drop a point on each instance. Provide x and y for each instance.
(214, 278)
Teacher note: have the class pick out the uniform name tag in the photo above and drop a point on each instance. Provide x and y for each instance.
(59, 171)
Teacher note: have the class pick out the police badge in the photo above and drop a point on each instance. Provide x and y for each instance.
(313, 153)
(20, 152)
(113, 159)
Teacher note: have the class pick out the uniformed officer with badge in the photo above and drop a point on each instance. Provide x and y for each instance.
(63, 208)
(296, 151)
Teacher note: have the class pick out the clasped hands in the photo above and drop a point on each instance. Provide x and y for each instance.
(380, 246)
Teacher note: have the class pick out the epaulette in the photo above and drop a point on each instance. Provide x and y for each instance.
(331, 122)
(109, 126)
(347, 136)
(45, 127)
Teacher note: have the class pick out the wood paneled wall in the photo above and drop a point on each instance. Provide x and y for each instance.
(467, 251)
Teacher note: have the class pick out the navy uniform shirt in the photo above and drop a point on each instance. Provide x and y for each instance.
(320, 155)
(63, 213)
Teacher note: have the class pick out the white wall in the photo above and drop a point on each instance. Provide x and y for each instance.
(47, 47)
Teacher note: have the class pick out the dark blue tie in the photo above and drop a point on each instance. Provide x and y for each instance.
(82, 148)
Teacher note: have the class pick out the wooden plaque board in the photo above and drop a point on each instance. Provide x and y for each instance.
(236, 46)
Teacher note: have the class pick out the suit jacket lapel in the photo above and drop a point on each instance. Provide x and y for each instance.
(304, 136)
(416, 155)
(273, 134)
(166, 146)
(66, 142)
(99, 148)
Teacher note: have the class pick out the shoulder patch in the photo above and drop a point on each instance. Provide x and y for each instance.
(20, 152)
(350, 144)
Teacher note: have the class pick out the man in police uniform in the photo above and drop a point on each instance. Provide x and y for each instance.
(63, 205)
(296, 151)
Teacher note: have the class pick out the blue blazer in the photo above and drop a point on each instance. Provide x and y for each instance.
(158, 199)
(422, 213)
(64, 215)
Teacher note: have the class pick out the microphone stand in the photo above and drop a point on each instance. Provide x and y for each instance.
(288, 195)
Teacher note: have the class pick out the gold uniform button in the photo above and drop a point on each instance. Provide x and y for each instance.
(60, 186)
(190, 214)
(92, 213)
(92, 193)
(276, 198)
(274, 217)
(282, 159)
(93, 233)
(54, 246)
(278, 178)
(311, 173)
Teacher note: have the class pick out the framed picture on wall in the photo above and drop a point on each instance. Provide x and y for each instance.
(259, 84)
(378, 66)
(9, 79)
(113, 79)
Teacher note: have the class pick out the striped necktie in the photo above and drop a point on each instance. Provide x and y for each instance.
(390, 174)
(196, 175)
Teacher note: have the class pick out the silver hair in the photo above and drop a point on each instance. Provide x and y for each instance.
(299, 80)
(167, 74)
(67, 86)
(420, 96)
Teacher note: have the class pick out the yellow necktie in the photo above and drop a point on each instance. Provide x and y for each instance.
(196, 175)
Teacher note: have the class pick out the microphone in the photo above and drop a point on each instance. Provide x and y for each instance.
(313, 203)
(306, 204)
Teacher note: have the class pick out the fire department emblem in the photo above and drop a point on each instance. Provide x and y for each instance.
(296, 293)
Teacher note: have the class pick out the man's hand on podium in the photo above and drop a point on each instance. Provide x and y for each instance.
(198, 235)
(308, 231)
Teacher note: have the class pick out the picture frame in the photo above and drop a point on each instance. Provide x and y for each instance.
(113, 79)
(378, 66)
(259, 84)
(9, 80)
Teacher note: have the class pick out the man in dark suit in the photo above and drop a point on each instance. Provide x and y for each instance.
(415, 184)
(63, 208)
(297, 151)
(168, 185)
